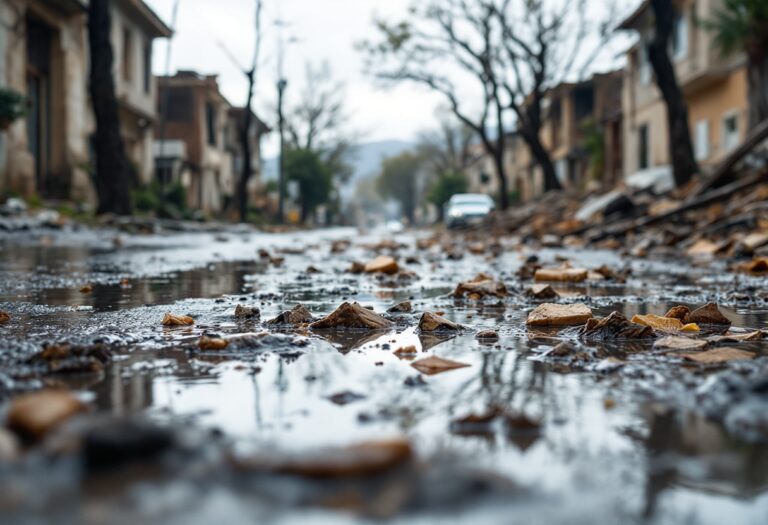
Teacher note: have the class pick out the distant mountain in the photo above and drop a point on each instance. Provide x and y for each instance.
(365, 159)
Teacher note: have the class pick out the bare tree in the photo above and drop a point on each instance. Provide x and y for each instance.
(114, 173)
(684, 164)
(514, 50)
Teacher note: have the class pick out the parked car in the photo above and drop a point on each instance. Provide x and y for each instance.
(467, 208)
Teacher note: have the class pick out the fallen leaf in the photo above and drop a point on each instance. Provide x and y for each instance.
(719, 355)
(732, 337)
(549, 314)
(574, 275)
(657, 322)
(34, 415)
(212, 343)
(434, 365)
(170, 319)
(680, 343)
(615, 326)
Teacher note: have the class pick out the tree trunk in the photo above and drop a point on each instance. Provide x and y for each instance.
(757, 74)
(498, 161)
(684, 164)
(542, 158)
(114, 172)
(245, 145)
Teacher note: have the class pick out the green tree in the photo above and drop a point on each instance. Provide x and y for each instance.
(445, 186)
(314, 177)
(399, 180)
(742, 25)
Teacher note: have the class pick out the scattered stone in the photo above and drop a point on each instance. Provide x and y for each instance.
(549, 314)
(673, 342)
(615, 326)
(66, 358)
(406, 351)
(34, 415)
(247, 312)
(708, 314)
(542, 291)
(757, 266)
(86, 289)
(311, 270)
(487, 334)
(401, 308)
(571, 275)
(340, 246)
(4, 317)
(296, 316)
(356, 268)
(481, 286)
(678, 312)
(352, 315)
(434, 365)
(703, 247)
(610, 274)
(732, 337)
(382, 264)
(432, 322)
(212, 343)
(718, 356)
(170, 319)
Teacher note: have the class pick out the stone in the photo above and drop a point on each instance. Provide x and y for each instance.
(487, 334)
(615, 326)
(432, 322)
(296, 316)
(708, 314)
(4, 317)
(212, 343)
(382, 264)
(434, 365)
(571, 275)
(719, 356)
(481, 286)
(352, 315)
(170, 319)
(34, 415)
(401, 308)
(542, 291)
(678, 312)
(549, 314)
(247, 312)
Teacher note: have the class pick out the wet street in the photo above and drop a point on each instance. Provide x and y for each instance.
(287, 423)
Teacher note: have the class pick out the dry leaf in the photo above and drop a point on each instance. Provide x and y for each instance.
(732, 337)
(434, 365)
(177, 320)
(680, 343)
(4, 317)
(86, 289)
(719, 355)
(212, 343)
(657, 322)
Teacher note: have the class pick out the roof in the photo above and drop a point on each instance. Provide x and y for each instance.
(150, 19)
(237, 111)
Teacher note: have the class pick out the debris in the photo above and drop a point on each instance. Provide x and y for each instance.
(352, 315)
(401, 308)
(541, 291)
(4, 317)
(34, 415)
(247, 312)
(678, 312)
(487, 334)
(170, 319)
(673, 342)
(406, 351)
(481, 286)
(212, 343)
(719, 355)
(615, 326)
(657, 322)
(434, 365)
(86, 289)
(708, 314)
(549, 314)
(571, 275)
(382, 264)
(610, 274)
(732, 337)
(62, 358)
(295, 316)
(356, 267)
(340, 246)
(432, 322)
(344, 398)
(703, 247)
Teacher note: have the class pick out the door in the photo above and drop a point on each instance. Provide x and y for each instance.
(39, 39)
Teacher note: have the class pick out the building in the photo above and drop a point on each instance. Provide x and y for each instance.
(715, 89)
(45, 58)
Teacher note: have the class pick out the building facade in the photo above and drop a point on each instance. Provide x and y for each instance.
(714, 87)
(45, 58)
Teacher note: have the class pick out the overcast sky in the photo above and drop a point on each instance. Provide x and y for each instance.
(326, 30)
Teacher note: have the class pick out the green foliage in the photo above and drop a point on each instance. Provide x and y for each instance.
(398, 180)
(740, 25)
(271, 186)
(445, 186)
(315, 178)
(594, 143)
(12, 104)
(147, 199)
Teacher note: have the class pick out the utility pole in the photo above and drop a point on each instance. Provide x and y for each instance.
(164, 105)
(281, 85)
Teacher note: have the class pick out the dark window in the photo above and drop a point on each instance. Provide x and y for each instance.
(179, 102)
(127, 55)
(210, 123)
(147, 66)
(584, 102)
(643, 151)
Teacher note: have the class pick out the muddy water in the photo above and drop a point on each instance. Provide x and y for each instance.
(626, 446)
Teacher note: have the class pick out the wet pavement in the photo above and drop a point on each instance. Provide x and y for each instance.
(621, 434)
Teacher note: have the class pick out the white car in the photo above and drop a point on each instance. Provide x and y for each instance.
(467, 208)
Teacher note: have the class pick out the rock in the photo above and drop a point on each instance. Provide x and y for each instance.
(549, 314)
(311, 270)
(4, 317)
(708, 314)
(382, 264)
(571, 275)
(732, 337)
(757, 266)
(615, 326)
(481, 286)
(434, 365)
(212, 343)
(678, 312)
(356, 268)
(63, 358)
(541, 291)
(431, 322)
(34, 415)
(340, 246)
(247, 312)
(610, 274)
(296, 316)
(352, 315)
(703, 247)
(664, 324)
(718, 356)
(672, 342)
(363, 459)
(115, 443)
(401, 308)
(487, 334)
(406, 351)
(170, 319)
(86, 289)
(754, 240)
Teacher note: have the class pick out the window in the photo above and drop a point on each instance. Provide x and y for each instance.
(210, 123)
(730, 131)
(177, 103)
(147, 67)
(702, 139)
(643, 148)
(127, 55)
(680, 37)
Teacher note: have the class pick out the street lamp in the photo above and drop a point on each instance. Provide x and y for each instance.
(281, 85)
